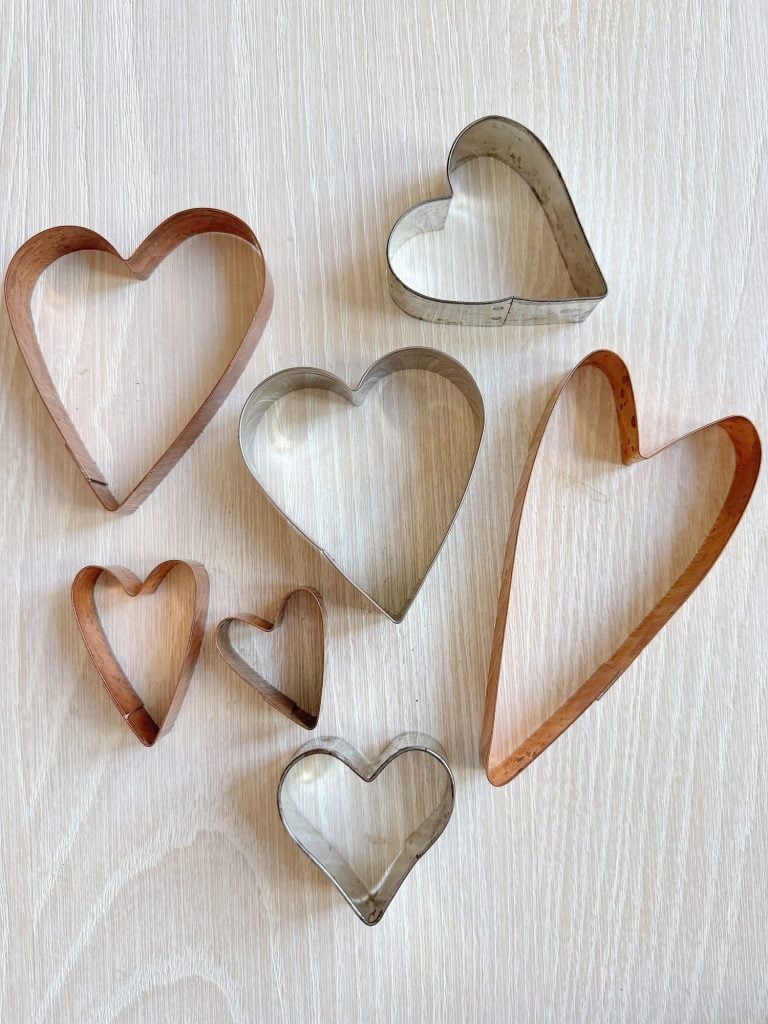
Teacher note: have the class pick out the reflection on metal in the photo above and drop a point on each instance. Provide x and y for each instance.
(287, 381)
(517, 147)
(369, 906)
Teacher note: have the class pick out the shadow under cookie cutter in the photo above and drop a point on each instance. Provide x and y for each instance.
(284, 382)
(115, 681)
(45, 248)
(516, 146)
(248, 673)
(368, 906)
(502, 767)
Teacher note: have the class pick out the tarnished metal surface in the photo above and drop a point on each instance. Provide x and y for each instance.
(513, 144)
(369, 906)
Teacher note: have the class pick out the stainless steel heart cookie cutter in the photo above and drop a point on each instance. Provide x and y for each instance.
(300, 378)
(517, 147)
(369, 906)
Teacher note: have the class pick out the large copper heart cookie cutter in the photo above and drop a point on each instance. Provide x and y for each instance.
(115, 681)
(502, 767)
(516, 146)
(45, 248)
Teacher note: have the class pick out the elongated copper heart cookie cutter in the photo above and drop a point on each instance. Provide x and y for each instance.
(116, 683)
(502, 767)
(516, 146)
(278, 700)
(45, 248)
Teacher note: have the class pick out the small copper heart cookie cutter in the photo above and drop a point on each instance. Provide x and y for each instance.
(747, 451)
(116, 683)
(45, 248)
(300, 378)
(516, 146)
(280, 701)
(369, 906)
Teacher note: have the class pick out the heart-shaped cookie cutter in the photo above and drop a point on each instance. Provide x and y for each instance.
(368, 906)
(45, 248)
(300, 378)
(116, 683)
(248, 673)
(517, 147)
(747, 451)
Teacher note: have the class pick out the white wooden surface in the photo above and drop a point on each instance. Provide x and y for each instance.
(622, 877)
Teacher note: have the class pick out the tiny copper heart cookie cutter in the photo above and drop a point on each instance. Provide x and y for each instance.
(45, 248)
(116, 683)
(747, 451)
(516, 146)
(369, 906)
(248, 673)
(300, 378)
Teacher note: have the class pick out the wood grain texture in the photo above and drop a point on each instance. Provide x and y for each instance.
(622, 876)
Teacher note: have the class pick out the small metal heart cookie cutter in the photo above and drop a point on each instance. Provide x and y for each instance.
(301, 378)
(369, 906)
(115, 681)
(517, 147)
(279, 700)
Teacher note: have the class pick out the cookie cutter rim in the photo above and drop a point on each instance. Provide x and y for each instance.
(271, 694)
(45, 248)
(369, 906)
(747, 456)
(299, 378)
(121, 691)
(519, 148)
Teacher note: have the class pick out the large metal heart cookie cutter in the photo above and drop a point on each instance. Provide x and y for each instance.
(369, 906)
(44, 249)
(284, 382)
(517, 147)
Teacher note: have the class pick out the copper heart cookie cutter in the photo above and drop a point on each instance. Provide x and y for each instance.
(45, 248)
(369, 906)
(284, 382)
(116, 683)
(747, 451)
(516, 146)
(250, 675)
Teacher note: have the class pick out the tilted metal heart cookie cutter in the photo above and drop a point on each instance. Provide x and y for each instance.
(284, 382)
(369, 906)
(517, 147)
